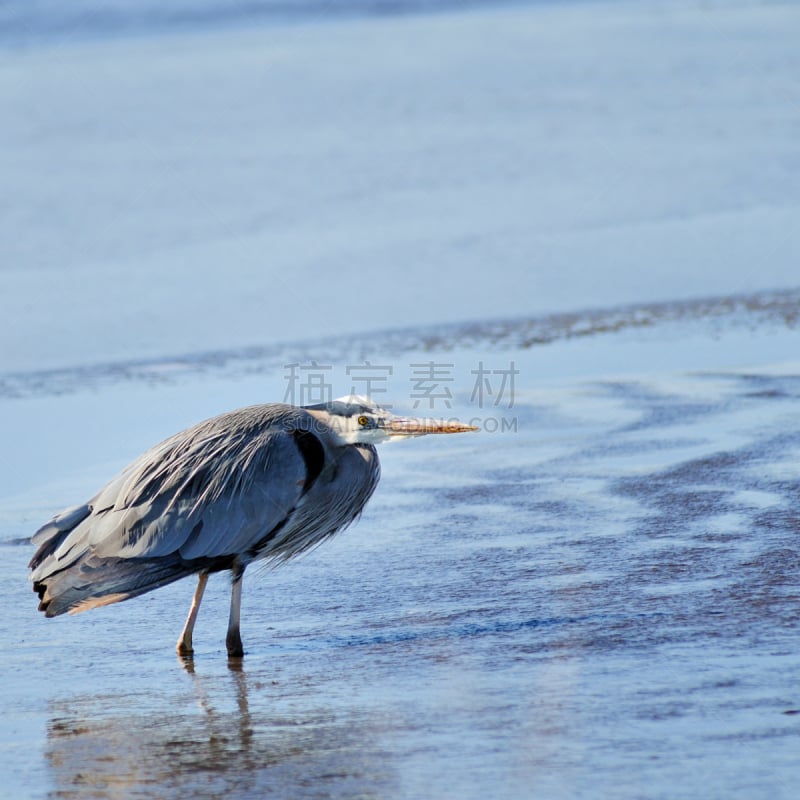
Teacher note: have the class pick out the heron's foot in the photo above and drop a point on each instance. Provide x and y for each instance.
(233, 641)
(184, 647)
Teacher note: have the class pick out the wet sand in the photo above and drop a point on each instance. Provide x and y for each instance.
(603, 602)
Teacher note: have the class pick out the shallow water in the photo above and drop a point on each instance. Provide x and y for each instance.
(603, 602)
(44, 21)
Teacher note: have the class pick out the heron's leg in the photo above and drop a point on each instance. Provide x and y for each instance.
(184, 646)
(233, 640)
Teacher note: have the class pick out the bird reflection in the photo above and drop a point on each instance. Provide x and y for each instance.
(217, 736)
(239, 679)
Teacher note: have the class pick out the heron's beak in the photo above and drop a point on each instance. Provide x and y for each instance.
(410, 426)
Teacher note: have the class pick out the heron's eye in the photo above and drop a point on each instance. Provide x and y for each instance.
(363, 421)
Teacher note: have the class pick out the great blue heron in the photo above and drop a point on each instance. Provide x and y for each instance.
(267, 481)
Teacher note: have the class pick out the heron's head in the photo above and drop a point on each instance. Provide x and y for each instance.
(360, 420)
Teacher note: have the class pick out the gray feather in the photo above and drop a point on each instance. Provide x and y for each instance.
(238, 486)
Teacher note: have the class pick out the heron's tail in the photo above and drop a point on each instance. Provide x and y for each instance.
(93, 581)
(72, 578)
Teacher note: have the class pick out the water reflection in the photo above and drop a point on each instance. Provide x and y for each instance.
(217, 736)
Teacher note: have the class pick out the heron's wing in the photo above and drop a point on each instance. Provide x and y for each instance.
(50, 536)
(201, 494)
(61, 523)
